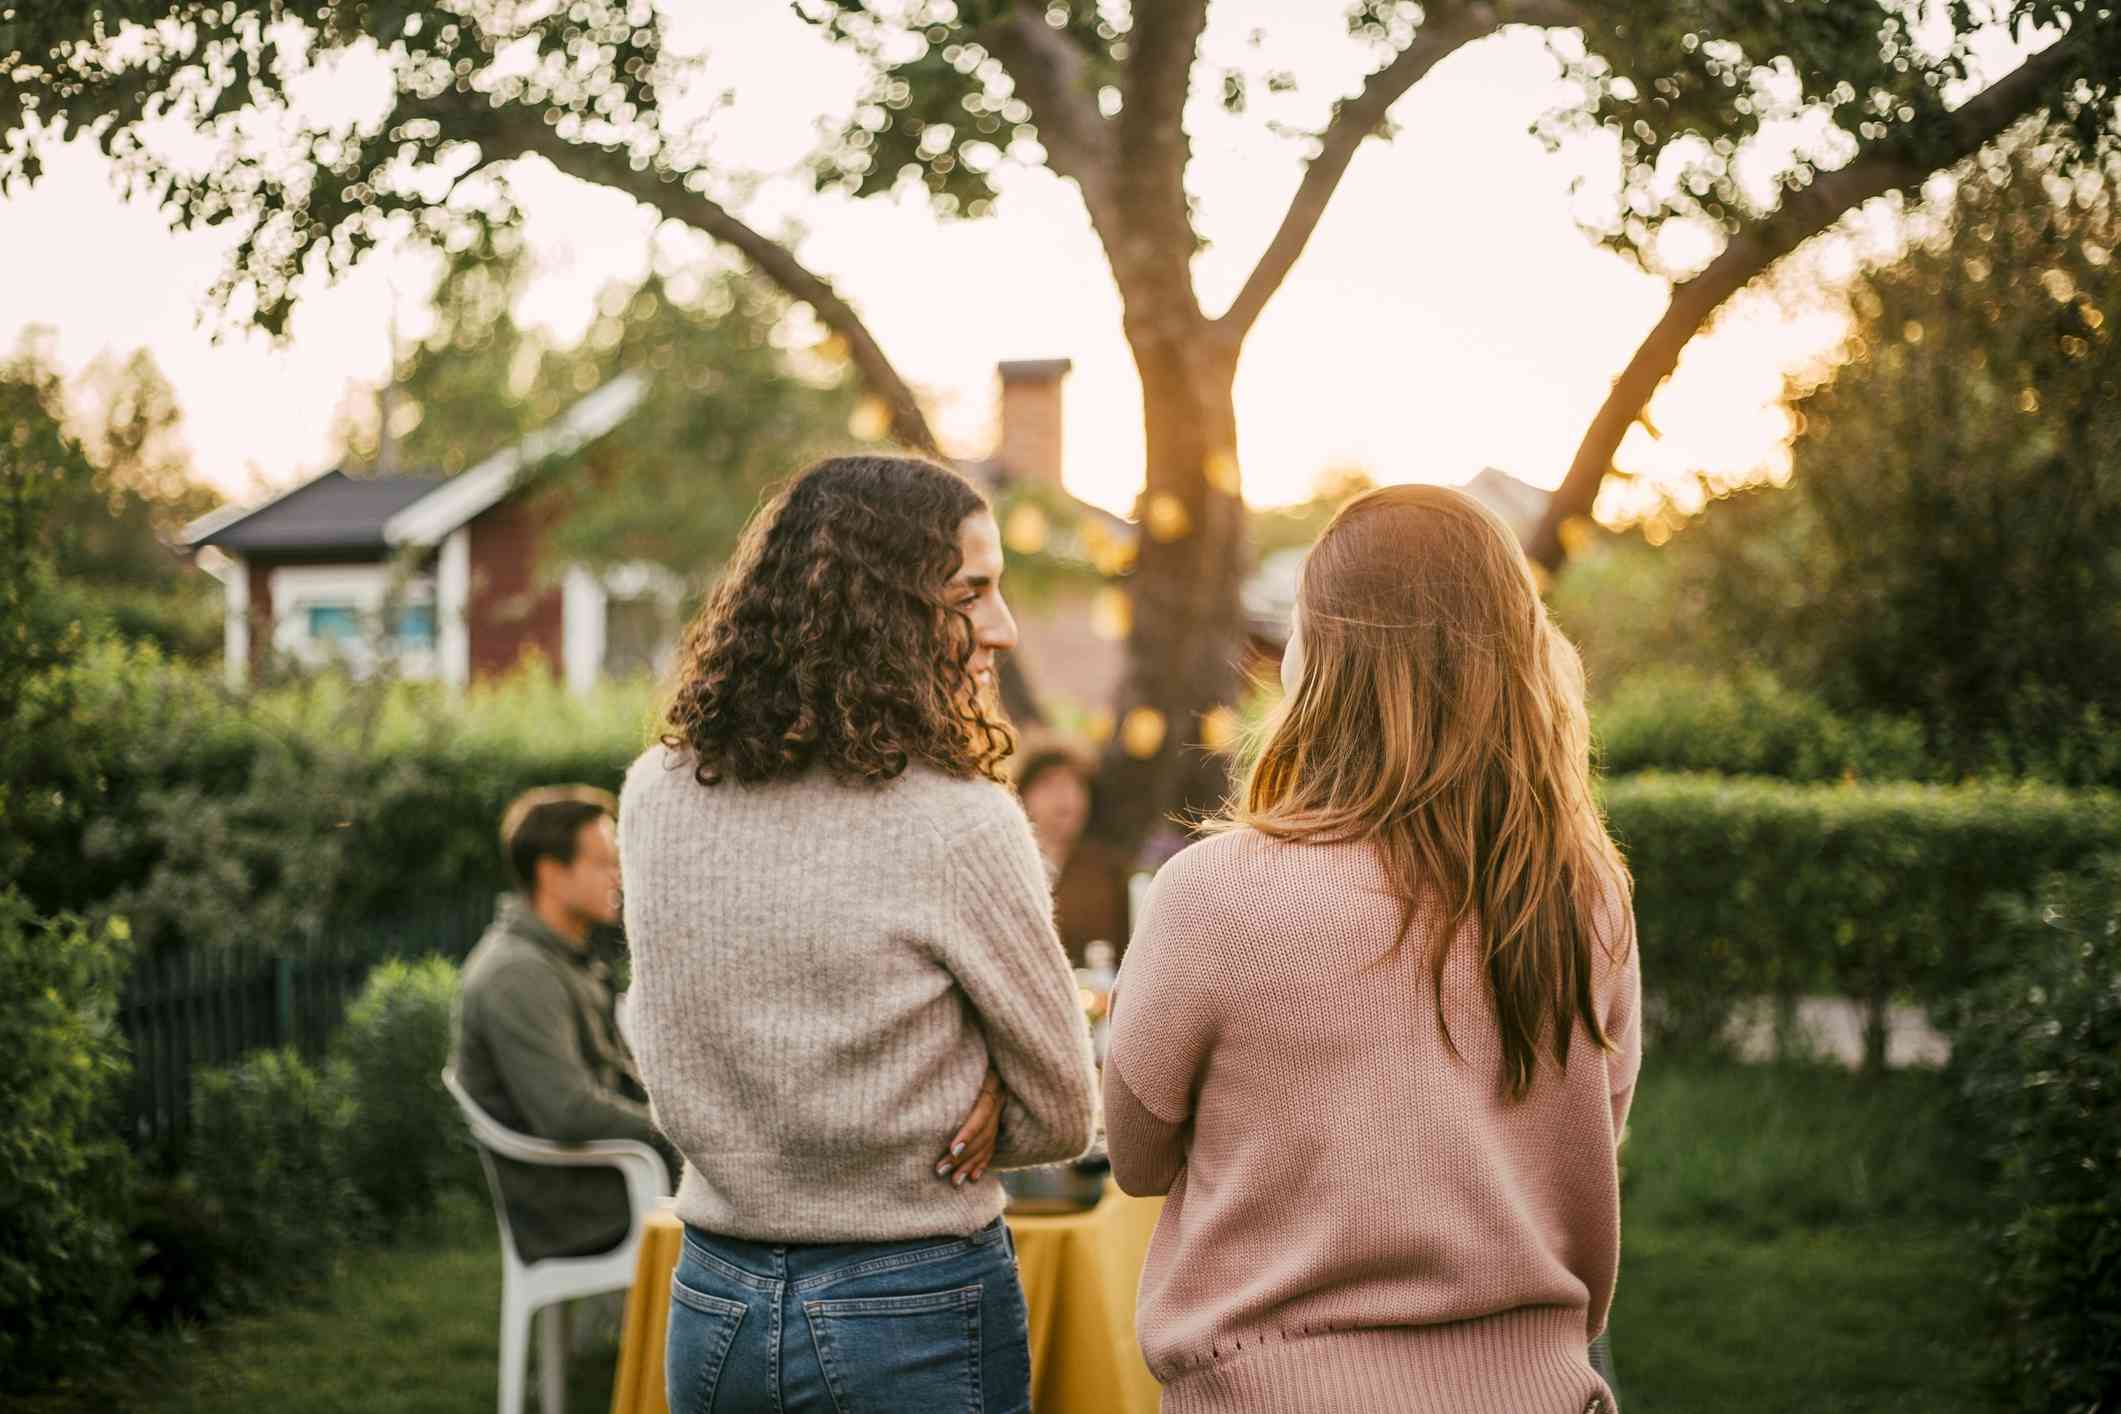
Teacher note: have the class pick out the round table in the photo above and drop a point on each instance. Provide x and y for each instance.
(1080, 1273)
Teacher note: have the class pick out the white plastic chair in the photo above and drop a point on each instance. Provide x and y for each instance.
(537, 1288)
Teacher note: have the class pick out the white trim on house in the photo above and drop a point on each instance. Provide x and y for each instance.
(362, 590)
(643, 579)
(457, 501)
(453, 608)
(582, 629)
(235, 608)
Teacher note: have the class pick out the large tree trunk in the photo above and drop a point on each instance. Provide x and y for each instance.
(1183, 652)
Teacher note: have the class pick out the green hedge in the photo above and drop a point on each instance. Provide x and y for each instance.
(1748, 724)
(65, 1178)
(1764, 888)
(137, 785)
(2038, 1053)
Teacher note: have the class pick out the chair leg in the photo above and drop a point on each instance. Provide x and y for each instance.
(552, 1359)
(515, 1354)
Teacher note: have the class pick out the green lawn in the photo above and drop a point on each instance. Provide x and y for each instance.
(1795, 1239)
(410, 1329)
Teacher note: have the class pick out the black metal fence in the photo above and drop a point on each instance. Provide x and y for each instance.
(200, 1006)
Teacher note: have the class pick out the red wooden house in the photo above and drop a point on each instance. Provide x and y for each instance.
(439, 577)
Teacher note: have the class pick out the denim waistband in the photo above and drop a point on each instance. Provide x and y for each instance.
(802, 1265)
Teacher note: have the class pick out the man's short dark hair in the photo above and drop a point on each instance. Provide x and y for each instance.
(546, 823)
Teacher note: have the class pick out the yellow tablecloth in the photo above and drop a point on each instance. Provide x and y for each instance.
(1080, 1274)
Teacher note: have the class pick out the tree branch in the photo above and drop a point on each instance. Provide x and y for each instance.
(1052, 75)
(1443, 34)
(1152, 260)
(515, 133)
(1899, 166)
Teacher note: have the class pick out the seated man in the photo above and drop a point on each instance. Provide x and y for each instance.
(536, 1044)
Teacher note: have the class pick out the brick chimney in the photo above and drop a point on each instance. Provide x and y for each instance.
(1031, 419)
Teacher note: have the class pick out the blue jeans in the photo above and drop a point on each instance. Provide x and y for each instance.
(935, 1324)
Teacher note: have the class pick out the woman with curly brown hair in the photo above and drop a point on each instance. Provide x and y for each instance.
(842, 943)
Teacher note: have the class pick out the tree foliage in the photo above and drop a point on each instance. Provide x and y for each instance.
(1949, 547)
(1759, 126)
(38, 460)
(731, 405)
(93, 475)
(1699, 92)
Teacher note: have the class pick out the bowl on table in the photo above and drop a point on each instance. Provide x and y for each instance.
(1057, 1188)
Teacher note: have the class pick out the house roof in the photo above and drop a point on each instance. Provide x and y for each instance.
(332, 512)
(1269, 592)
(375, 514)
(1519, 505)
(430, 521)
(1033, 370)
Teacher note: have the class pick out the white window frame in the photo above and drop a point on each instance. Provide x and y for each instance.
(296, 589)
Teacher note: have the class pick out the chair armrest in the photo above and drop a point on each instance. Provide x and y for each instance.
(647, 1180)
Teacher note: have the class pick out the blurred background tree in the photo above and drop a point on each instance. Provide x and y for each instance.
(37, 460)
(1948, 549)
(732, 404)
(96, 474)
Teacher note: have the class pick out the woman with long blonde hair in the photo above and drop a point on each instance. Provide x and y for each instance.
(1377, 1034)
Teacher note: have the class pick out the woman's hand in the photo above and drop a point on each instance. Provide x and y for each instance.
(972, 1149)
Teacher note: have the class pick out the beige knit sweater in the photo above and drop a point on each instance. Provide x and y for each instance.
(821, 974)
(1357, 1220)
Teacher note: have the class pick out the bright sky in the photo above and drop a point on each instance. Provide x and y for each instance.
(1447, 315)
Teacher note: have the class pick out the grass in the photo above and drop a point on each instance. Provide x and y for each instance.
(1795, 1239)
(408, 1329)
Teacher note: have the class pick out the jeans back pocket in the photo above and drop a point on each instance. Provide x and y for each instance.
(702, 1328)
(885, 1354)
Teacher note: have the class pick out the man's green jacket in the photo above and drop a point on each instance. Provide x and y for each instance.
(537, 1049)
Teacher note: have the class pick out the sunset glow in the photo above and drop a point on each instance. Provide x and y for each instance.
(1448, 314)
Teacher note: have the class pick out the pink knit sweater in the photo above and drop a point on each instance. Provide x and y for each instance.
(1358, 1220)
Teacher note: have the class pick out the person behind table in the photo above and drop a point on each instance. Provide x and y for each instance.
(1058, 787)
(1377, 1038)
(535, 1045)
(848, 998)
(1054, 785)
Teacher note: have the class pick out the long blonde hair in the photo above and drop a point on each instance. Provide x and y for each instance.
(1440, 715)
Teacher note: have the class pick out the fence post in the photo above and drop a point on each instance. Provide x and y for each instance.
(283, 1001)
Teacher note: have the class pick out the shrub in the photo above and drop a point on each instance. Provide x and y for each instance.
(2045, 737)
(138, 785)
(1748, 724)
(430, 825)
(2039, 1054)
(410, 1143)
(82, 744)
(189, 1254)
(268, 1161)
(1765, 888)
(64, 1177)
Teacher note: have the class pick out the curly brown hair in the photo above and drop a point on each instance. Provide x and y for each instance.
(828, 640)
